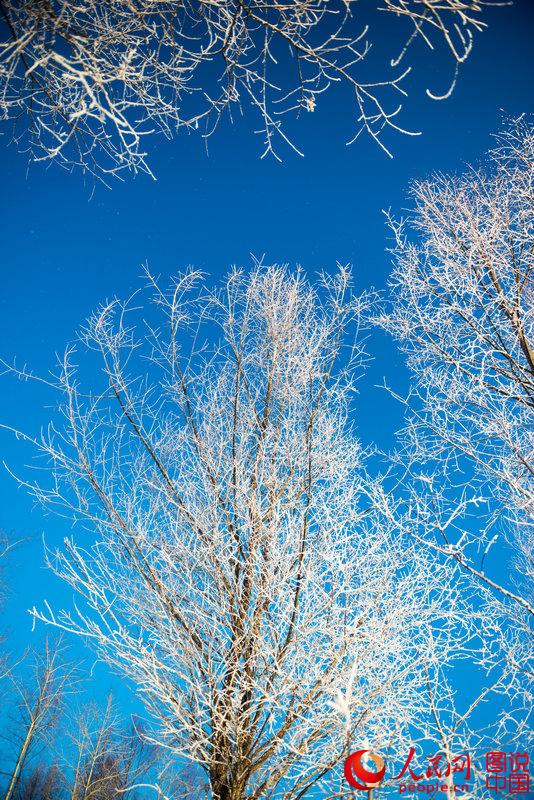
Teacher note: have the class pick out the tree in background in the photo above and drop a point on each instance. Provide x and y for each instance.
(94, 78)
(242, 569)
(40, 706)
(90, 755)
(109, 760)
(42, 783)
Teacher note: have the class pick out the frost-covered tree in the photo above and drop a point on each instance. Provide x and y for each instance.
(94, 79)
(463, 312)
(238, 565)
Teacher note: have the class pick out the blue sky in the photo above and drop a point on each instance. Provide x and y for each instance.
(68, 245)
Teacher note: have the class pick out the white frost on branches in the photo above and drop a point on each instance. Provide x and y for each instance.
(239, 566)
(94, 79)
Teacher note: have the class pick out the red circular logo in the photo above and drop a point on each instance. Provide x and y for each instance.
(354, 770)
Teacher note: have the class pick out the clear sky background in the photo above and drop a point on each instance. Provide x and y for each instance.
(67, 245)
